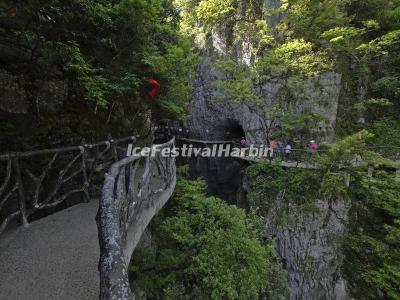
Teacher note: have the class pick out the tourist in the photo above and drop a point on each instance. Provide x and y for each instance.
(288, 150)
(313, 147)
(272, 146)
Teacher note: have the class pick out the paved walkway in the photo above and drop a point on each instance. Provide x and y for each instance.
(55, 258)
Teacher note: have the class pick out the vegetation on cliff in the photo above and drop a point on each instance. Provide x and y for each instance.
(80, 68)
(300, 39)
(372, 262)
(96, 56)
(203, 248)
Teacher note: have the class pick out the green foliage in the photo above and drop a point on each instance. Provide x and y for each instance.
(175, 69)
(198, 17)
(206, 249)
(271, 181)
(309, 18)
(102, 52)
(300, 125)
(386, 135)
(238, 84)
(372, 248)
(373, 256)
(344, 38)
(94, 87)
(388, 86)
(295, 57)
(213, 12)
(352, 153)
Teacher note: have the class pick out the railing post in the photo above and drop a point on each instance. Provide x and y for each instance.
(21, 192)
(84, 172)
(113, 148)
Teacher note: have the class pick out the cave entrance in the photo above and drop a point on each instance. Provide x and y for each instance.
(233, 130)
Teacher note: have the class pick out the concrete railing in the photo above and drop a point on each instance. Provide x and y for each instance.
(134, 190)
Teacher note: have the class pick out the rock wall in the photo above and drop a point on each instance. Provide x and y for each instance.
(308, 244)
(212, 118)
(222, 175)
(12, 95)
(305, 241)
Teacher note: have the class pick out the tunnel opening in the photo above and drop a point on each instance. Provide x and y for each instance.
(232, 129)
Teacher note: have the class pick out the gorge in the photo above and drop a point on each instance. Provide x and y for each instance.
(317, 80)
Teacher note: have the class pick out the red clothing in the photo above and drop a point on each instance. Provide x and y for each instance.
(154, 91)
(313, 146)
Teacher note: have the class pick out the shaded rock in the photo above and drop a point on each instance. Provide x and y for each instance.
(308, 244)
(13, 97)
(51, 94)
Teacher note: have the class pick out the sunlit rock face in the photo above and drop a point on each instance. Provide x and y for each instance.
(212, 118)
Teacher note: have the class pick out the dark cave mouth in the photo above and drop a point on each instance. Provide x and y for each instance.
(232, 129)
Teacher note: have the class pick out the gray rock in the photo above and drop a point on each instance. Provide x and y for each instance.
(51, 94)
(12, 94)
(308, 244)
(220, 116)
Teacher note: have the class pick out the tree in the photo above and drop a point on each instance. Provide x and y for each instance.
(206, 249)
(99, 54)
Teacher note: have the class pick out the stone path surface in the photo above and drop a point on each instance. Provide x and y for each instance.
(55, 258)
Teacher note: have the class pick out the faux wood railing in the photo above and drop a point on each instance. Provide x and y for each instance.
(134, 190)
(38, 180)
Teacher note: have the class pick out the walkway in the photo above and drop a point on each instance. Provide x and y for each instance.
(299, 158)
(253, 159)
(55, 258)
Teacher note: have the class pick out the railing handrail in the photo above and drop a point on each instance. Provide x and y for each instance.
(130, 198)
(9, 155)
(281, 148)
(61, 173)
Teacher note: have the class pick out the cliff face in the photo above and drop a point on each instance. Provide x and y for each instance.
(308, 244)
(212, 118)
(305, 241)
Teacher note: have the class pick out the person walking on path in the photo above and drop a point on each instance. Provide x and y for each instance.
(313, 148)
(288, 150)
(271, 144)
